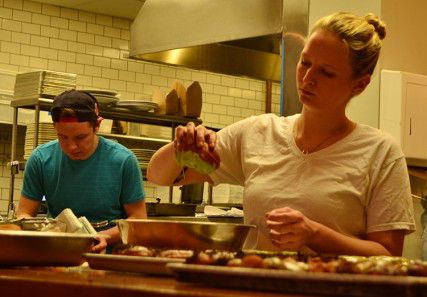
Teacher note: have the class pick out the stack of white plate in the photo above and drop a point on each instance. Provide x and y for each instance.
(104, 97)
(143, 156)
(138, 105)
(46, 134)
(43, 84)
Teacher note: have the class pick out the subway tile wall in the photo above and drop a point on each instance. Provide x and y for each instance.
(36, 36)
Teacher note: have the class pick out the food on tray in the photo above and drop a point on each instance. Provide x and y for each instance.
(135, 251)
(288, 261)
(142, 251)
(379, 265)
(202, 159)
(180, 254)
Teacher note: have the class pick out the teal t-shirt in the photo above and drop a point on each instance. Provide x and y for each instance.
(96, 188)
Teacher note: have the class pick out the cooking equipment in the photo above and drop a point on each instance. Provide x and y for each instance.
(317, 283)
(150, 265)
(33, 224)
(251, 38)
(192, 193)
(35, 248)
(170, 209)
(183, 234)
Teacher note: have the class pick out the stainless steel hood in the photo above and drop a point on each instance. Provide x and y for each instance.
(235, 37)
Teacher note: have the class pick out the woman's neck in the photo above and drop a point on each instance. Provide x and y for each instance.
(313, 132)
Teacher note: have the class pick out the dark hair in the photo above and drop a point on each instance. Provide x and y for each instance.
(77, 105)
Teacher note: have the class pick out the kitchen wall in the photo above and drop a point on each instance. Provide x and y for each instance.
(405, 44)
(36, 36)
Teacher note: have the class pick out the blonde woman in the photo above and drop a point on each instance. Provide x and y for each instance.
(314, 180)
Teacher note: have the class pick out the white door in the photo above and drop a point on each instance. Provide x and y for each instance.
(415, 130)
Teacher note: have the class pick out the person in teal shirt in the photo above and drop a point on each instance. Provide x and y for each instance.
(93, 176)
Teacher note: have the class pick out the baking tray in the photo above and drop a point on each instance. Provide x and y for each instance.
(149, 265)
(330, 284)
(35, 248)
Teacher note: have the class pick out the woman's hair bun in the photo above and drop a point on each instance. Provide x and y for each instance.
(377, 23)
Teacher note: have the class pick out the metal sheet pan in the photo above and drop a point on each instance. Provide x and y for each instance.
(35, 248)
(149, 265)
(330, 284)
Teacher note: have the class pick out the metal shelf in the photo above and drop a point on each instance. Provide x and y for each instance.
(114, 113)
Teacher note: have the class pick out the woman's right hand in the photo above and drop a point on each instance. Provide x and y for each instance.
(195, 148)
(190, 135)
(167, 166)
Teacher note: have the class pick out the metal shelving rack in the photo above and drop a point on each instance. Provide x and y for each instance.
(114, 113)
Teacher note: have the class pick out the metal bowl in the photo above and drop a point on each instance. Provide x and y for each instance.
(184, 234)
(34, 248)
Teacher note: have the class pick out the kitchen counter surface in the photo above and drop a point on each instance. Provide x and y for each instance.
(83, 281)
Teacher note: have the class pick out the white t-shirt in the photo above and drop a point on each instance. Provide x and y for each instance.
(356, 186)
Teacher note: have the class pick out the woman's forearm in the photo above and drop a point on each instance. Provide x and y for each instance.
(329, 241)
(163, 168)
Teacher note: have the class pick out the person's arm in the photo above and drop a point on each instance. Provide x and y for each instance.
(135, 210)
(163, 169)
(27, 208)
(291, 230)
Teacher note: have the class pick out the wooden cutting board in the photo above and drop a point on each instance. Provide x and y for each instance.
(172, 103)
(182, 95)
(193, 106)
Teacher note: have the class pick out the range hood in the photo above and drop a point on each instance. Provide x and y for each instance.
(234, 37)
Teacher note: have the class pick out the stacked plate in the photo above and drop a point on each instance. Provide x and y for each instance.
(46, 134)
(143, 156)
(138, 105)
(43, 84)
(104, 97)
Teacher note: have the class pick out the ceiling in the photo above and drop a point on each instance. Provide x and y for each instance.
(118, 8)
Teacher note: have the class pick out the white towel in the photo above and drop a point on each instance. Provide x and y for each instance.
(74, 224)
(212, 211)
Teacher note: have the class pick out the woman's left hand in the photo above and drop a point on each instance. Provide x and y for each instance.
(289, 228)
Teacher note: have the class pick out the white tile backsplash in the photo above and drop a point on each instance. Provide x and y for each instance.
(51, 10)
(17, 4)
(68, 34)
(69, 13)
(79, 26)
(4, 57)
(20, 15)
(6, 13)
(35, 40)
(40, 19)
